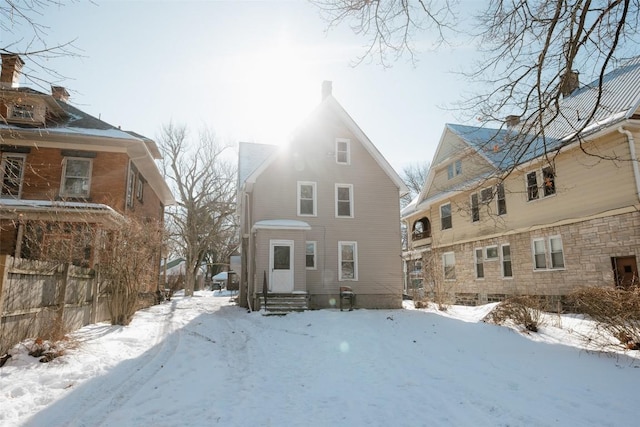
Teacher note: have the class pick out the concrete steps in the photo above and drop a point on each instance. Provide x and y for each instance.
(281, 304)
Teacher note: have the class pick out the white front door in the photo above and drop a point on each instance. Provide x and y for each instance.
(281, 265)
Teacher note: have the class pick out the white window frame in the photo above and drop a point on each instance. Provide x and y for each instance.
(528, 187)
(534, 253)
(542, 191)
(140, 188)
(454, 169)
(314, 245)
(63, 188)
(131, 185)
(547, 244)
(503, 261)
(341, 277)
(545, 190)
(442, 217)
(347, 152)
(475, 207)
(314, 199)
(23, 111)
(501, 196)
(452, 257)
(486, 253)
(551, 253)
(351, 202)
(479, 261)
(3, 164)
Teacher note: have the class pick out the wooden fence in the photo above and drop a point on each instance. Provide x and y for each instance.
(42, 299)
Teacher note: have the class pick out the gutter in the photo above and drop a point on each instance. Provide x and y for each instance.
(634, 157)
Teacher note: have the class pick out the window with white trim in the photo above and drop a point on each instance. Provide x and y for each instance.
(539, 254)
(445, 216)
(491, 253)
(347, 261)
(548, 254)
(310, 255)
(131, 184)
(449, 265)
(557, 252)
(76, 177)
(454, 169)
(11, 175)
(479, 263)
(140, 188)
(307, 198)
(501, 199)
(343, 151)
(505, 258)
(22, 111)
(541, 183)
(475, 208)
(344, 200)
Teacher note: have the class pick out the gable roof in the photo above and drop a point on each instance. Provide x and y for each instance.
(251, 157)
(505, 148)
(256, 160)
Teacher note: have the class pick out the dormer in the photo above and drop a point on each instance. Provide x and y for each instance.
(23, 106)
(20, 108)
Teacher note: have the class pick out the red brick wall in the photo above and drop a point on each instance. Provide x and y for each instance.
(43, 173)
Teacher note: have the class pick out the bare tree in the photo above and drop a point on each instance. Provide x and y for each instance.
(204, 181)
(414, 176)
(28, 37)
(390, 25)
(533, 53)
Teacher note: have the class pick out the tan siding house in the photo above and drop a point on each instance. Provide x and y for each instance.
(485, 226)
(319, 214)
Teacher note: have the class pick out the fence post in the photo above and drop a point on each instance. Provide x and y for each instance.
(62, 298)
(94, 294)
(4, 274)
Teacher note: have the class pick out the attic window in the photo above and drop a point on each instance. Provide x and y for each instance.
(454, 169)
(343, 152)
(22, 111)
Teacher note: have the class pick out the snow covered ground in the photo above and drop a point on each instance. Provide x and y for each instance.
(203, 361)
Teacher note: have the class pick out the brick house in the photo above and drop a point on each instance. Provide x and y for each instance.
(63, 171)
(495, 219)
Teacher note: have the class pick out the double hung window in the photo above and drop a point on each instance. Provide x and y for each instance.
(76, 177)
(347, 261)
(11, 175)
(344, 200)
(307, 198)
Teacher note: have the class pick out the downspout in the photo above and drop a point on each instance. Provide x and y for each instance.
(248, 255)
(634, 158)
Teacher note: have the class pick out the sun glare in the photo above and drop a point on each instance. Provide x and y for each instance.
(274, 89)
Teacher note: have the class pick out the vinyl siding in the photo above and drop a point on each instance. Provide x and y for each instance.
(375, 225)
(585, 186)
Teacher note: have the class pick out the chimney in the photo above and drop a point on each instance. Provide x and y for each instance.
(570, 82)
(326, 89)
(60, 93)
(512, 121)
(11, 67)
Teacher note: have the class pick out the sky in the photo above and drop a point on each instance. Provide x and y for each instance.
(203, 361)
(250, 70)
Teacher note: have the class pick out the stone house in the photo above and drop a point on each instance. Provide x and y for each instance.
(503, 213)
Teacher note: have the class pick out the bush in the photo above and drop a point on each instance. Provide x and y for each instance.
(524, 311)
(126, 267)
(616, 312)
